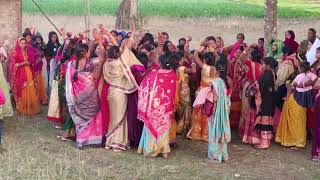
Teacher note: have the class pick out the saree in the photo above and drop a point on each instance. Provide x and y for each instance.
(6, 108)
(218, 124)
(37, 68)
(117, 74)
(292, 127)
(199, 124)
(23, 82)
(84, 106)
(237, 72)
(253, 73)
(235, 46)
(155, 108)
(135, 126)
(183, 110)
(250, 134)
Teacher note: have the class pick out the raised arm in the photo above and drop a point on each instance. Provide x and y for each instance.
(197, 60)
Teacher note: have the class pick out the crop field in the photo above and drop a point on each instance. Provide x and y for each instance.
(181, 8)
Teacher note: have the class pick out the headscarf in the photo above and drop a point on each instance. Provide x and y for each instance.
(18, 75)
(291, 43)
(278, 54)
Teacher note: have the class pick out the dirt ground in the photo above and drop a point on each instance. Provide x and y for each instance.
(198, 28)
(30, 150)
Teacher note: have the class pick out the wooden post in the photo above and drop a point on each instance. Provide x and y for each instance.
(270, 21)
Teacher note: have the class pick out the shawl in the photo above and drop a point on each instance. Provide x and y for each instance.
(311, 54)
(291, 43)
(156, 101)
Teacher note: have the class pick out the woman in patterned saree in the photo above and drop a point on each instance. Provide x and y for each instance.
(22, 79)
(156, 109)
(237, 72)
(82, 79)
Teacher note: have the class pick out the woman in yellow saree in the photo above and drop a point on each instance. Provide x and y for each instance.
(22, 79)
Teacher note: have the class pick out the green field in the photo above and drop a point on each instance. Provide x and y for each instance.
(181, 8)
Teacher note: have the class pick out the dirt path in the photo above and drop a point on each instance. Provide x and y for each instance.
(198, 28)
(32, 151)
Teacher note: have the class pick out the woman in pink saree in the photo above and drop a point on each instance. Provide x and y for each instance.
(236, 45)
(155, 108)
(83, 100)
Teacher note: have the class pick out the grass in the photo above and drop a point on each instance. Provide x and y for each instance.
(181, 8)
(30, 150)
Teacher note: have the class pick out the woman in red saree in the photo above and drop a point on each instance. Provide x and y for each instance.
(237, 72)
(156, 109)
(236, 46)
(23, 80)
(254, 71)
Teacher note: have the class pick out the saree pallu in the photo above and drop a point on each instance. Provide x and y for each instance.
(183, 110)
(54, 105)
(292, 127)
(218, 124)
(28, 104)
(84, 106)
(118, 75)
(245, 107)
(316, 129)
(156, 109)
(6, 108)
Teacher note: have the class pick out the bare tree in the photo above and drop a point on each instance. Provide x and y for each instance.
(127, 9)
(270, 20)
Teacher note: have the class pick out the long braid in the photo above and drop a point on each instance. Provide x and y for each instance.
(75, 76)
(81, 51)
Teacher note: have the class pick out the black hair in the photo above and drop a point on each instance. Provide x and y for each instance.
(261, 39)
(318, 49)
(174, 60)
(166, 46)
(82, 49)
(180, 54)
(182, 39)
(211, 38)
(113, 52)
(210, 58)
(271, 62)
(256, 56)
(167, 63)
(114, 31)
(180, 47)
(305, 67)
(165, 33)
(241, 48)
(147, 37)
(221, 66)
(147, 47)
(318, 72)
(26, 33)
(143, 58)
(241, 34)
(312, 30)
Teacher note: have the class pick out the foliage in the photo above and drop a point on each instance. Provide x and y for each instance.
(181, 8)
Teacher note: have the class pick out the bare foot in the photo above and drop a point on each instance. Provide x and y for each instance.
(260, 146)
(165, 155)
(213, 161)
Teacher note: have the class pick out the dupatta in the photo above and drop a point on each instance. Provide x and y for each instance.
(156, 101)
(17, 74)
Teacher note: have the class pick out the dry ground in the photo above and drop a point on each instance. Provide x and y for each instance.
(198, 28)
(30, 150)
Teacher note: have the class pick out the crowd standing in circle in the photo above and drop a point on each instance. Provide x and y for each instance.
(125, 89)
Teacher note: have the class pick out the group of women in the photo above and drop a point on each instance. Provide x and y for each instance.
(123, 90)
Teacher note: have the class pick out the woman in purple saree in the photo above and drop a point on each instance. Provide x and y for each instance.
(83, 98)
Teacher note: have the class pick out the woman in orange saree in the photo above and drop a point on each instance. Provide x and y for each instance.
(22, 79)
(199, 128)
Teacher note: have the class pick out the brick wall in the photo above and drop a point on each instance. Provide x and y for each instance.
(10, 21)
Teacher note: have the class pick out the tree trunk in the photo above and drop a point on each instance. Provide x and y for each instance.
(123, 15)
(134, 8)
(270, 20)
